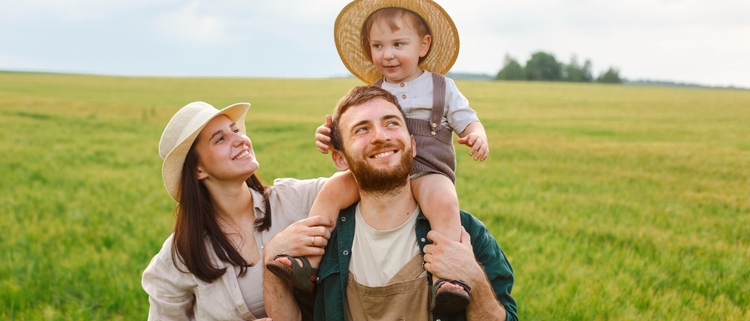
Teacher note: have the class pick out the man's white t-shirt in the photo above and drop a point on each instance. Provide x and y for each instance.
(377, 255)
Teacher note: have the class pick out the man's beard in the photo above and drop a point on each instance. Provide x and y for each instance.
(381, 181)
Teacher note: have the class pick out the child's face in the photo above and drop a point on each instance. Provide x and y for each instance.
(396, 53)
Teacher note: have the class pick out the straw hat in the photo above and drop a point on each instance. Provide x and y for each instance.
(181, 132)
(348, 27)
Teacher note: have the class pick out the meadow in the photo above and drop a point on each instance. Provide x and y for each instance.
(612, 202)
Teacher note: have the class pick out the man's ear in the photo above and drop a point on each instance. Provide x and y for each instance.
(413, 147)
(339, 160)
(424, 45)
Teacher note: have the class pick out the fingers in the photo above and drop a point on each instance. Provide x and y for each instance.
(436, 237)
(465, 237)
(329, 121)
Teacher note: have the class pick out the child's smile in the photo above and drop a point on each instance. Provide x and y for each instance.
(396, 53)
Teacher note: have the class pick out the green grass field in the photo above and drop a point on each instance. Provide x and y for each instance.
(612, 202)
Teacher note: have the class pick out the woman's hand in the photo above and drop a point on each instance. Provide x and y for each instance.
(306, 237)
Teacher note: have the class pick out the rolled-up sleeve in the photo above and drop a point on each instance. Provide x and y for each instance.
(170, 292)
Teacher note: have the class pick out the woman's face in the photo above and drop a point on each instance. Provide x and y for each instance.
(224, 152)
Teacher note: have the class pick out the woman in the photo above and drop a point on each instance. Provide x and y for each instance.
(207, 269)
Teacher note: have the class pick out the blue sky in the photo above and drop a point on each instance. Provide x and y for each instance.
(698, 41)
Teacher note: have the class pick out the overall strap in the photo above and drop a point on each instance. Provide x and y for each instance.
(438, 101)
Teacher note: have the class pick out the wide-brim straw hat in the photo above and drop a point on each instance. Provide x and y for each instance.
(181, 132)
(348, 28)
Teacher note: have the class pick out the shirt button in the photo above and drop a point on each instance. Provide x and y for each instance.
(423, 240)
(343, 218)
(401, 84)
(433, 133)
(345, 252)
(434, 125)
(403, 96)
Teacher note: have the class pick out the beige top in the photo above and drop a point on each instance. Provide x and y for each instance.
(174, 295)
(377, 255)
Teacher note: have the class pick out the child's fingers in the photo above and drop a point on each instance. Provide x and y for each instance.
(323, 148)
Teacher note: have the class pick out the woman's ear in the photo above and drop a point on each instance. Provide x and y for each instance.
(339, 160)
(200, 173)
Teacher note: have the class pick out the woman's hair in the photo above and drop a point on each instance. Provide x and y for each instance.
(196, 222)
(389, 16)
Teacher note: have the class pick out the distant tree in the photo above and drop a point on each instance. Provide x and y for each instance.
(543, 66)
(586, 74)
(611, 76)
(575, 72)
(512, 70)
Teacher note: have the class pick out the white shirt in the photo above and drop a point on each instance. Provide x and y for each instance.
(415, 98)
(377, 255)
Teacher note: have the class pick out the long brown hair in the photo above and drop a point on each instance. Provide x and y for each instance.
(196, 223)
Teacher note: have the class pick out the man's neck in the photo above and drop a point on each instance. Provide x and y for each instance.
(384, 211)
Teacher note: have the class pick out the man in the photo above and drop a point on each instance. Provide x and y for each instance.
(374, 269)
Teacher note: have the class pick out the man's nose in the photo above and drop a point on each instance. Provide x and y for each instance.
(380, 134)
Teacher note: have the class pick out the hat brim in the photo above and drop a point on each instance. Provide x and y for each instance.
(348, 28)
(172, 167)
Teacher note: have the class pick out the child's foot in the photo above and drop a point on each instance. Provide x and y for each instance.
(294, 270)
(449, 296)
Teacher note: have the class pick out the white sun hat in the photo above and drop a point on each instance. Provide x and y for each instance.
(181, 132)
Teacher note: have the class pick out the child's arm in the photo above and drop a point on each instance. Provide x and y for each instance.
(475, 137)
(338, 192)
(323, 136)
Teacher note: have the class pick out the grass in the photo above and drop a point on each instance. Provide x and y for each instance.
(612, 202)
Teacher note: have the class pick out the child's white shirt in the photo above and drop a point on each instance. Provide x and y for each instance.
(415, 98)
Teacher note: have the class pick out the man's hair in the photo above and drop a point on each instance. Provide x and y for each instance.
(389, 16)
(357, 96)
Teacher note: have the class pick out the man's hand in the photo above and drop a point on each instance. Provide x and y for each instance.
(323, 136)
(452, 260)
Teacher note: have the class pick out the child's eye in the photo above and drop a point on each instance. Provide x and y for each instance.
(220, 139)
(399, 44)
(236, 130)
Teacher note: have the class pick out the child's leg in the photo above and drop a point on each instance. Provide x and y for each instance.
(438, 200)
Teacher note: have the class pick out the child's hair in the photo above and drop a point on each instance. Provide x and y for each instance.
(389, 16)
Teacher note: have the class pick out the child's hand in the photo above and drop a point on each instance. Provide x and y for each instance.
(323, 136)
(478, 143)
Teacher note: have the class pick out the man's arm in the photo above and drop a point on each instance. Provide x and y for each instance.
(453, 260)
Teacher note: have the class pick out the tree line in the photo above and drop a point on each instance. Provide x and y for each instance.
(544, 66)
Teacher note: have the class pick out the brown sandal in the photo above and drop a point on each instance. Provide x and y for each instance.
(297, 275)
(450, 300)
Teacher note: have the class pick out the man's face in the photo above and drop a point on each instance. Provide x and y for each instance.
(377, 146)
